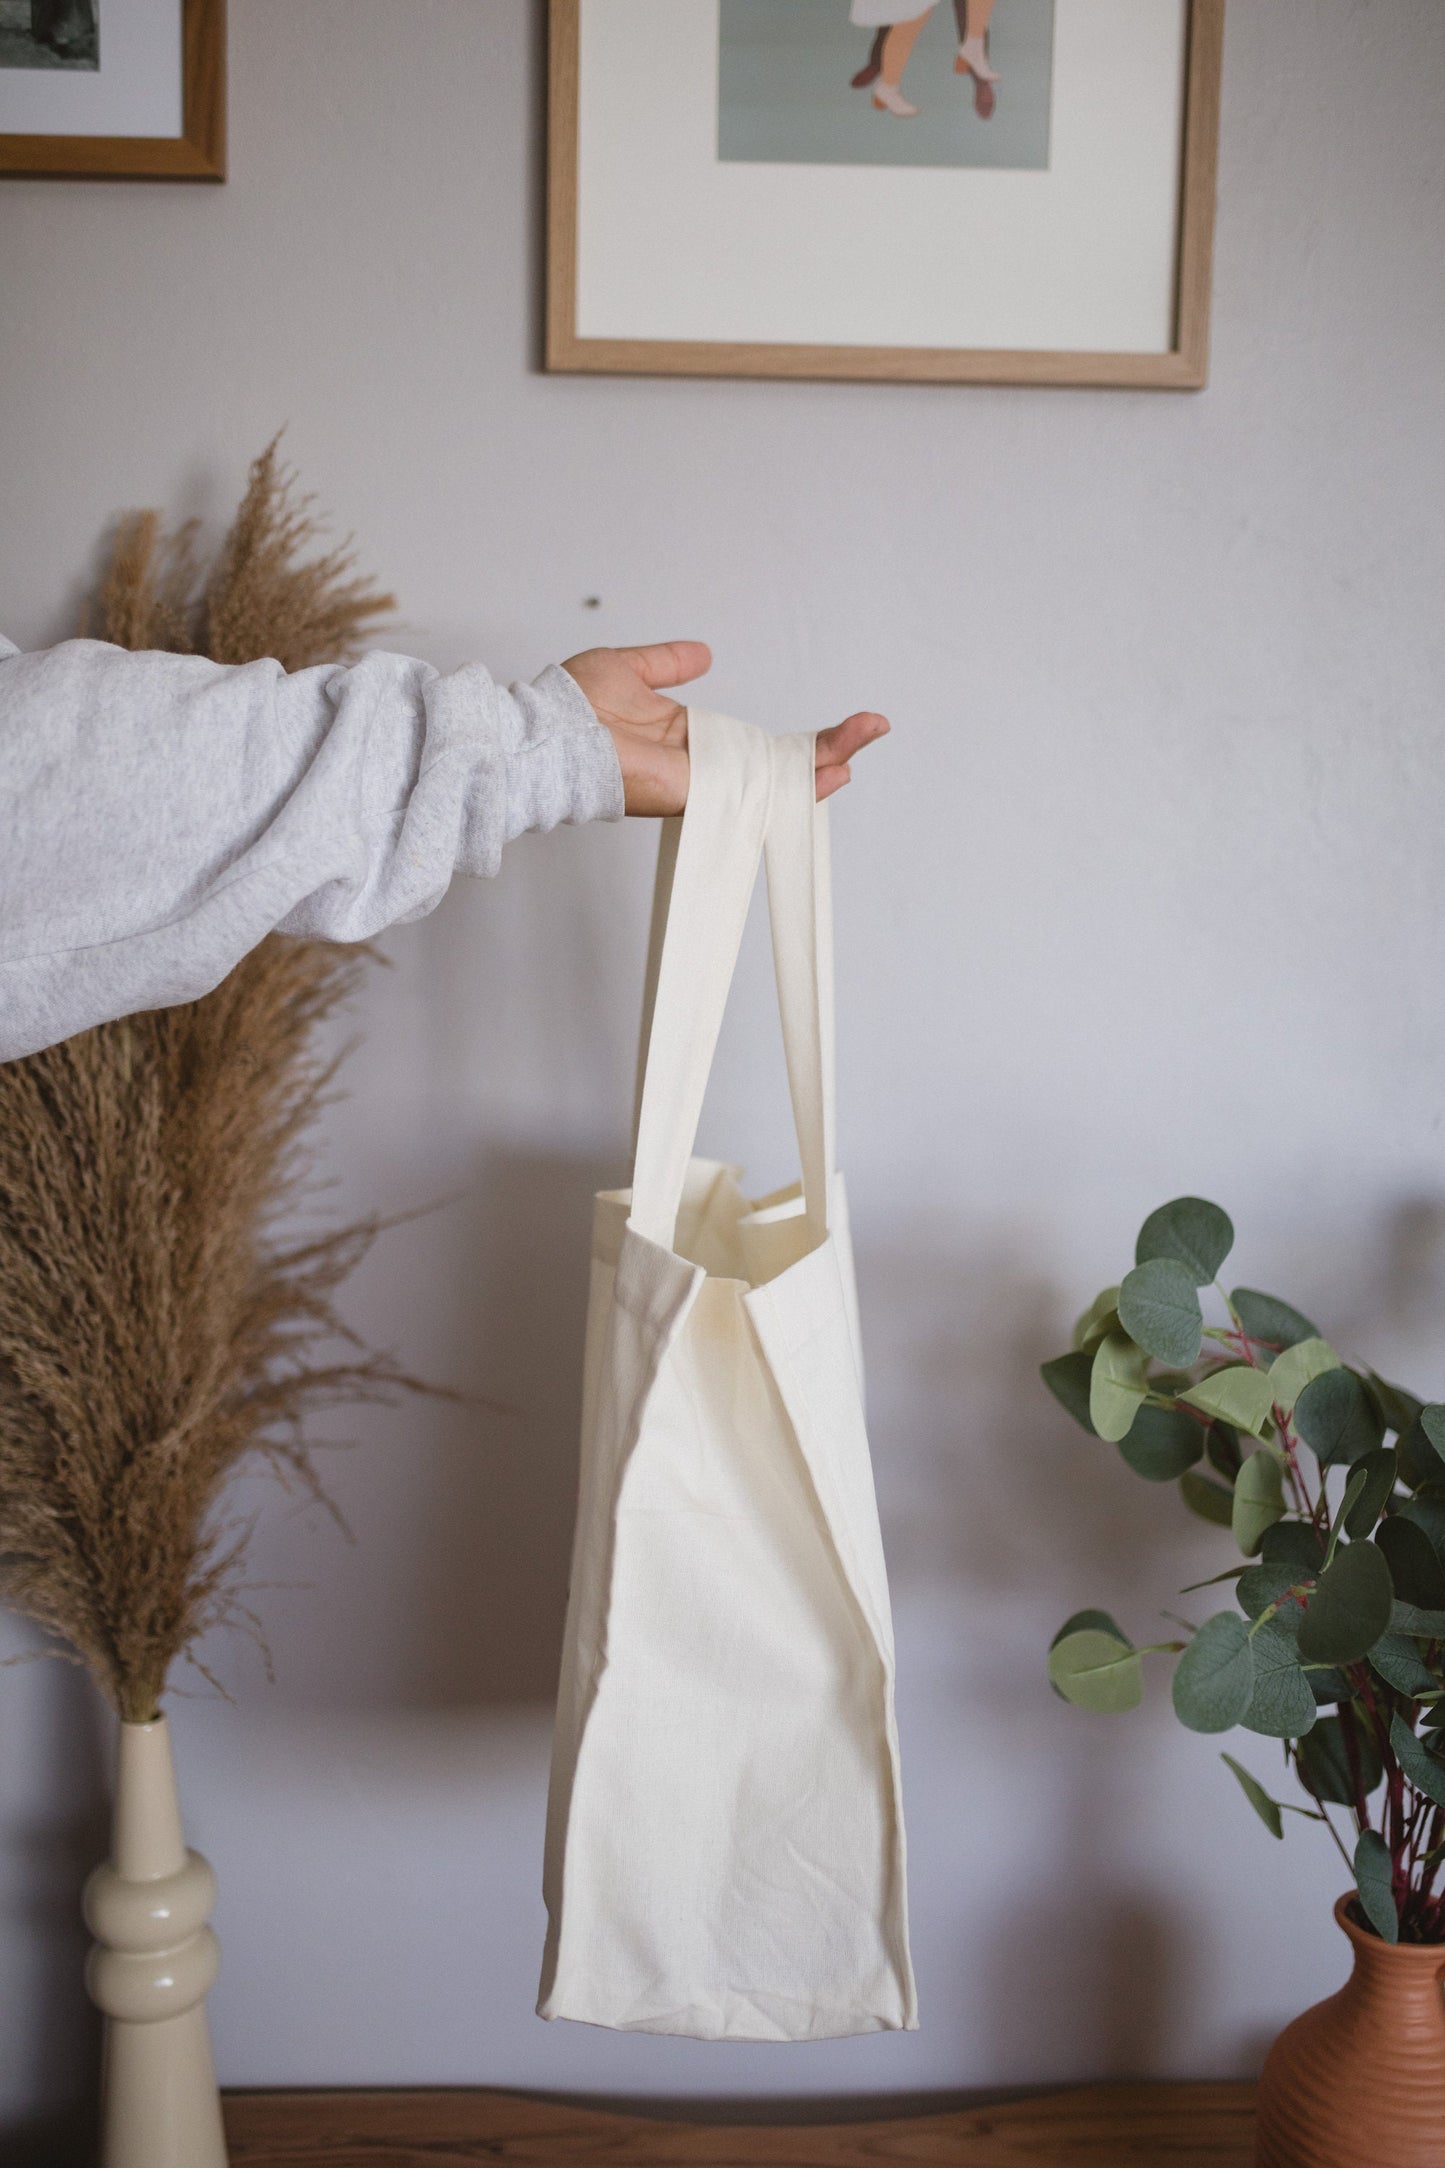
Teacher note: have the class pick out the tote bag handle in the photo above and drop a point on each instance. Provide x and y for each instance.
(745, 790)
(800, 907)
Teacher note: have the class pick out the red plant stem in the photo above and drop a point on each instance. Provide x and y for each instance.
(1436, 1835)
(1360, 1678)
(1352, 1759)
(1412, 1837)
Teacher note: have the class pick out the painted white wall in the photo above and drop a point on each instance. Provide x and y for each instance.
(1143, 896)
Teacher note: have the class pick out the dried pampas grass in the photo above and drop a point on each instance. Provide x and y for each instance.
(155, 1328)
(262, 596)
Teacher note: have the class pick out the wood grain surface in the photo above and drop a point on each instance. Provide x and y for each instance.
(1103, 2126)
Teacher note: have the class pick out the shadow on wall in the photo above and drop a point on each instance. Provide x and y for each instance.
(52, 2029)
(993, 1501)
(491, 1595)
(1088, 1957)
(983, 1481)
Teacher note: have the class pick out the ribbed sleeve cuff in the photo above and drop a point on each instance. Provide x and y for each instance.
(565, 767)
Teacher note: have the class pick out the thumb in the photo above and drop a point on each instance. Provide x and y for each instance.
(669, 662)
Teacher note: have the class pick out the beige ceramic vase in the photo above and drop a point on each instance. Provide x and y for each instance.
(1359, 2080)
(153, 1960)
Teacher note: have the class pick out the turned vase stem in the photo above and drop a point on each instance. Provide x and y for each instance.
(153, 1960)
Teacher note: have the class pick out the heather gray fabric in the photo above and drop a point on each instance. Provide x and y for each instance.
(160, 814)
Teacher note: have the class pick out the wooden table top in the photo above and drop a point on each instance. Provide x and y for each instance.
(1094, 2126)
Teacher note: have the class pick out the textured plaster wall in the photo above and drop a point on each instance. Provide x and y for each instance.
(1145, 895)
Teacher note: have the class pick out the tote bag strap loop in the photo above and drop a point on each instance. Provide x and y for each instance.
(800, 906)
(707, 864)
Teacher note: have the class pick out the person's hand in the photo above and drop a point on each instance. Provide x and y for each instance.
(625, 686)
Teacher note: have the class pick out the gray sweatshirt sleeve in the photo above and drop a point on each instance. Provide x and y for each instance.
(160, 814)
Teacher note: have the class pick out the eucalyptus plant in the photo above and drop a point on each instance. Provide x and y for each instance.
(1331, 1482)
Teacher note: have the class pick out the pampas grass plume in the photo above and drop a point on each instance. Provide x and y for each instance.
(156, 1328)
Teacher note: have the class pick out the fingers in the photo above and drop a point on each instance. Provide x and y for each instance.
(669, 662)
(836, 747)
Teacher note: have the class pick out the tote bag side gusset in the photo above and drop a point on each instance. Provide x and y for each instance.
(646, 1297)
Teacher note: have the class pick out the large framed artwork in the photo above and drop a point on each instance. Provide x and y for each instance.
(131, 89)
(968, 191)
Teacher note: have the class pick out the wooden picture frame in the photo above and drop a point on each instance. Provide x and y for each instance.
(198, 153)
(1183, 366)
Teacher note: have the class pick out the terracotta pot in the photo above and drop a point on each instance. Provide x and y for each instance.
(1359, 2080)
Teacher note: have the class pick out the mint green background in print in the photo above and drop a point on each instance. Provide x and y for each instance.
(784, 95)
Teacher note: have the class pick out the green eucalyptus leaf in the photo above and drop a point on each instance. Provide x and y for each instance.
(1334, 1416)
(1159, 1309)
(1417, 1574)
(1408, 1618)
(1354, 1492)
(1097, 1621)
(1237, 1395)
(1221, 1446)
(1399, 1664)
(1210, 1500)
(1349, 1609)
(1325, 1763)
(1230, 1573)
(1398, 1408)
(1293, 1543)
(1117, 1386)
(1191, 1231)
(1067, 1378)
(1102, 1316)
(1427, 1513)
(1291, 1372)
(1420, 1768)
(1328, 1685)
(1097, 1671)
(1260, 1586)
(1214, 1678)
(1432, 1422)
(1419, 1461)
(1379, 1471)
(1374, 1877)
(1170, 1383)
(1162, 1443)
(1269, 1321)
(1281, 1705)
(1267, 1809)
(1258, 1499)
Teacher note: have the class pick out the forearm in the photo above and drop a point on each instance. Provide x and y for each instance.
(162, 814)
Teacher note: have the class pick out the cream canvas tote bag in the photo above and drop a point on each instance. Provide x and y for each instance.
(725, 1847)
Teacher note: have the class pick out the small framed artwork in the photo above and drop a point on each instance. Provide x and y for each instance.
(967, 191)
(132, 89)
